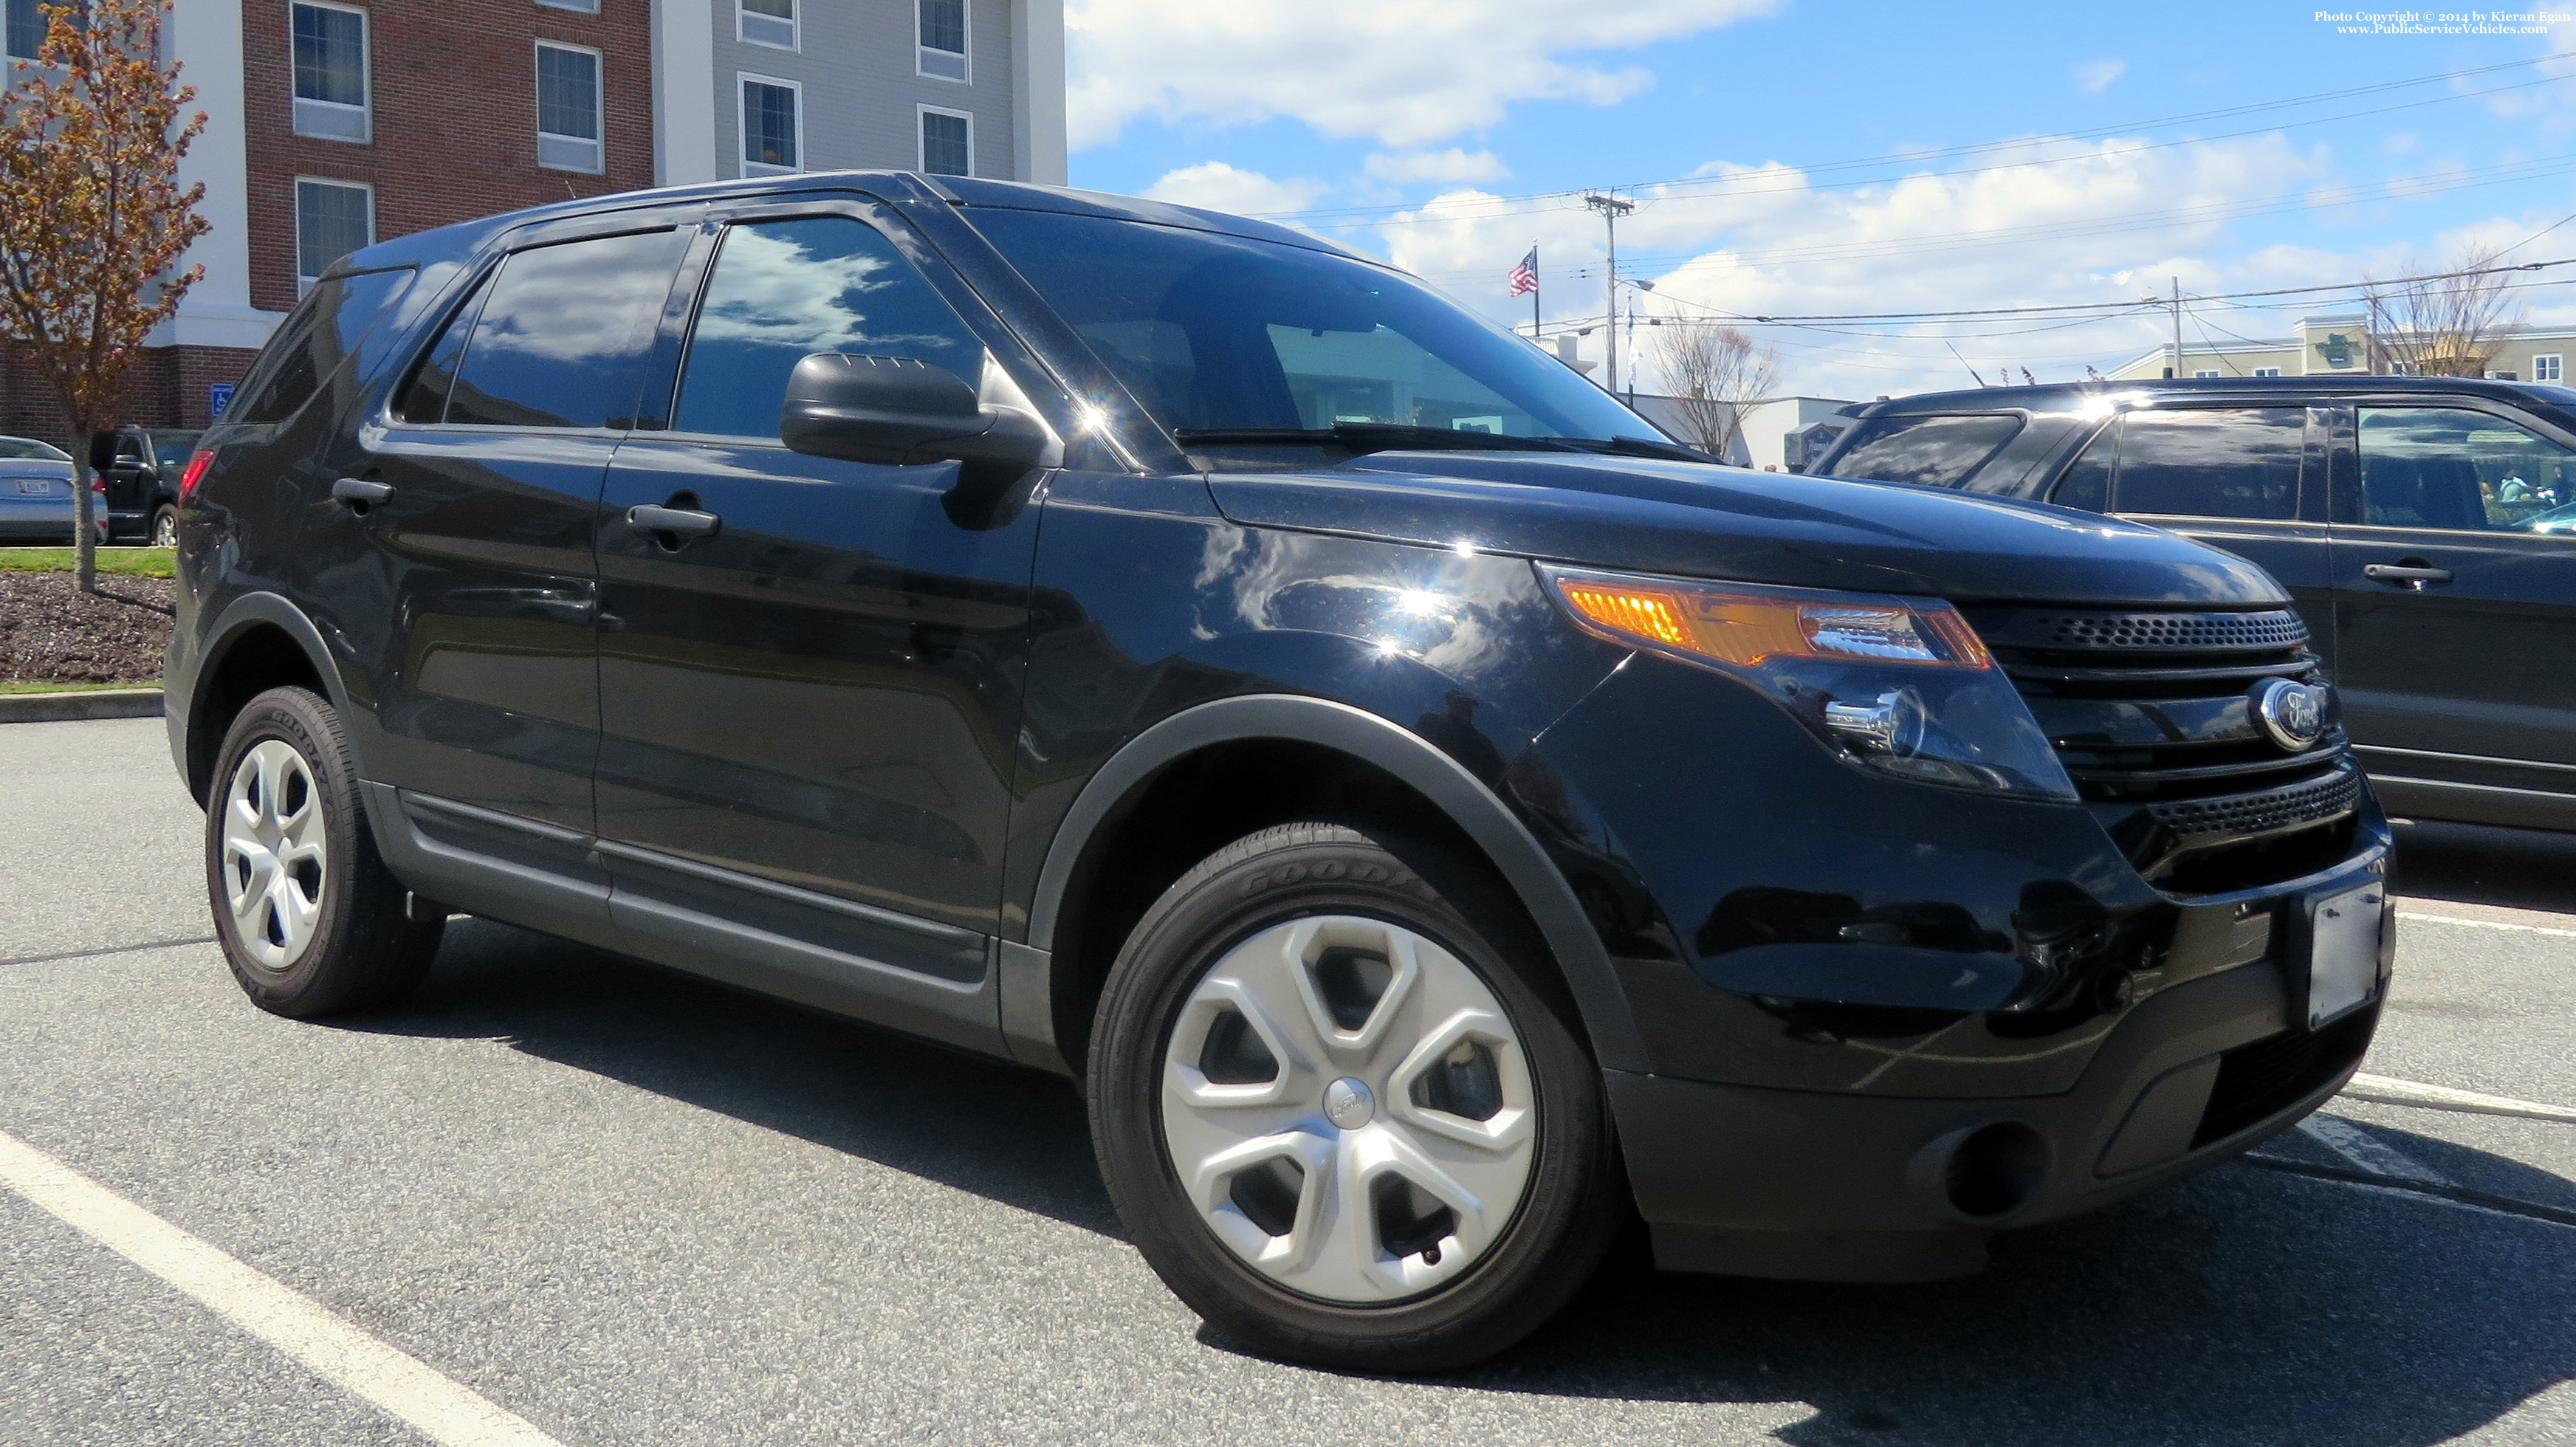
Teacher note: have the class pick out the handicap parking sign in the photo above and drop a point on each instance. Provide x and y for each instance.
(219, 395)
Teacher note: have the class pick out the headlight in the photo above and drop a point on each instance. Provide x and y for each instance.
(1899, 685)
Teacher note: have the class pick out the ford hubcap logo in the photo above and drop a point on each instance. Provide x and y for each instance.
(2293, 713)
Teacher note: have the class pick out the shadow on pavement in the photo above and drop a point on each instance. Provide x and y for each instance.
(2246, 1308)
(2479, 864)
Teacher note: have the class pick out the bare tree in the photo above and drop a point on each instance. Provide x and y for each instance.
(93, 221)
(1713, 373)
(2446, 325)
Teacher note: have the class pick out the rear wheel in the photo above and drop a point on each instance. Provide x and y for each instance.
(1344, 1123)
(165, 528)
(310, 919)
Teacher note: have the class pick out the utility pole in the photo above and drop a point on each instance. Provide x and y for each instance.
(2177, 324)
(1611, 209)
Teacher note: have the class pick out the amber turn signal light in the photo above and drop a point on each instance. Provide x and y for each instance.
(1745, 628)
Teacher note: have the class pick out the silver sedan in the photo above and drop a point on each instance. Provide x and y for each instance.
(36, 494)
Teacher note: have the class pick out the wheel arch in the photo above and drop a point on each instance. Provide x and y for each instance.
(1048, 984)
(259, 642)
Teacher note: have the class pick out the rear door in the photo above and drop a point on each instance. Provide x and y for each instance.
(2250, 480)
(809, 707)
(2455, 591)
(478, 493)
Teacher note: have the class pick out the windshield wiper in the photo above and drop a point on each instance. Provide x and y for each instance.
(1637, 447)
(1359, 437)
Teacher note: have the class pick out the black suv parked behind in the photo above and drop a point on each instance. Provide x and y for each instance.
(141, 468)
(1434, 817)
(2425, 527)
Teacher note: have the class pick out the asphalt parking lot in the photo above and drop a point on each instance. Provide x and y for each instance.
(624, 1207)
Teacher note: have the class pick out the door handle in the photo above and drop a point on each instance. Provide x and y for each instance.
(2410, 577)
(673, 521)
(359, 493)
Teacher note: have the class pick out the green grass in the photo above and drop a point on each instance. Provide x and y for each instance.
(118, 562)
(68, 687)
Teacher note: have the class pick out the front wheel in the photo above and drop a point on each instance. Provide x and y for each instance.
(1342, 1110)
(165, 528)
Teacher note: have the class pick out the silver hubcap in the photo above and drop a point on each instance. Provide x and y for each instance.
(1348, 1109)
(273, 854)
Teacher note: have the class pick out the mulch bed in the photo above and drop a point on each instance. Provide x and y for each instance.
(50, 632)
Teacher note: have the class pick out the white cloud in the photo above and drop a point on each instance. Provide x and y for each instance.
(1220, 187)
(1406, 73)
(1450, 167)
(2095, 76)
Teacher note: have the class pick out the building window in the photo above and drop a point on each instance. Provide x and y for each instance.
(332, 219)
(2206, 372)
(942, 37)
(2548, 367)
(947, 142)
(766, 22)
(26, 28)
(2267, 371)
(568, 108)
(330, 72)
(772, 126)
(586, 7)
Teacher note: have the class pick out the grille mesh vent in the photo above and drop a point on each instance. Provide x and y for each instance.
(2274, 809)
(2167, 630)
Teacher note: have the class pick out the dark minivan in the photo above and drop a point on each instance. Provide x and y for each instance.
(2424, 526)
(1438, 820)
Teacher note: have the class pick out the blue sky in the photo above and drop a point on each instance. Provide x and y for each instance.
(1439, 114)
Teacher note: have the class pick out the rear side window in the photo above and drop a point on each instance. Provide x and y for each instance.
(784, 289)
(324, 329)
(556, 338)
(2230, 463)
(1938, 451)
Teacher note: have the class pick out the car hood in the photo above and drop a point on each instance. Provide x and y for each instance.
(1696, 520)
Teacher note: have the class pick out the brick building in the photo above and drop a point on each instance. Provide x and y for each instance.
(335, 123)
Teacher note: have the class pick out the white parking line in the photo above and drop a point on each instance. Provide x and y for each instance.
(2388, 1090)
(286, 1319)
(2365, 1150)
(2529, 929)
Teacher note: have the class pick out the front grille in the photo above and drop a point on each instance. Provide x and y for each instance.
(2272, 1074)
(2151, 712)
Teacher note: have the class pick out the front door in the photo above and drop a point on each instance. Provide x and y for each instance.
(2455, 592)
(809, 692)
(2249, 480)
(480, 497)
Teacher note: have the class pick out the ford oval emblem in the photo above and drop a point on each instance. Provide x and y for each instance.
(2293, 713)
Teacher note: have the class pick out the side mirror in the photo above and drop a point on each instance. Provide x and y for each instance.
(898, 410)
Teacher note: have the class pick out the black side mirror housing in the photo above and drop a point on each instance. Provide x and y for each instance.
(897, 410)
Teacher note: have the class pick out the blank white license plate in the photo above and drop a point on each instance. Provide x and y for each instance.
(35, 487)
(2343, 951)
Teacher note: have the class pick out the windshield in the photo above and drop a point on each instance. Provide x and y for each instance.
(171, 448)
(1218, 334)
(18, 449)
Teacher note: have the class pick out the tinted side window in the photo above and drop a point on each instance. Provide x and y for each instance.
(561, 335)
(324, 329)
(782, 290)
(1940, 451)
(2086, 482)
(2231, 463)
(2445, 467)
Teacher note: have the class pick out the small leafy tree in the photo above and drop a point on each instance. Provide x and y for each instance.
(93, 221)
(1713, 373)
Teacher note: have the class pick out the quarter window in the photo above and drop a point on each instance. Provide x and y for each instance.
(2234, 462)
(782, 290)
(324, 329)
(24, 25)
(942, 36)
(2449, 468)
(568, 126)
(766, 22)
(772, 128)
(1937, 451)
(332, 219)
(330, 72)
(2548, 367)
(556, 339)
(947, 143)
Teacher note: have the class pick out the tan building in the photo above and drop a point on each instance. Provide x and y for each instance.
(2327, 345)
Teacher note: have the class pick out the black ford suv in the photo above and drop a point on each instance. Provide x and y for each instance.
(1435, 817)
(2424, 526)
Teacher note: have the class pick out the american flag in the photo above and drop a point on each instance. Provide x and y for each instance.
(1525, 275)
